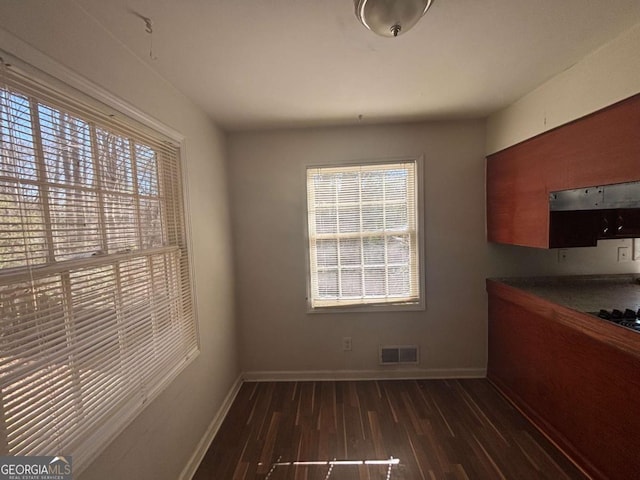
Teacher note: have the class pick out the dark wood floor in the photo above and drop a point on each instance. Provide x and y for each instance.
(437, 429)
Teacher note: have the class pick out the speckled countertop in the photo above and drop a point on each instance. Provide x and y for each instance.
(584, 293)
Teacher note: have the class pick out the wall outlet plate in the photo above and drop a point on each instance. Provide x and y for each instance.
(624, 254)
(563, 254)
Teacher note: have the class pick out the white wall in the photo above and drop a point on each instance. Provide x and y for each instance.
(267, 184)
(606, 76)
(160, 442)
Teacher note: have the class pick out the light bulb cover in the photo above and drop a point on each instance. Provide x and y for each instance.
(391, 18)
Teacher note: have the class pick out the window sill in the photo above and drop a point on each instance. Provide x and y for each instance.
(391, 307)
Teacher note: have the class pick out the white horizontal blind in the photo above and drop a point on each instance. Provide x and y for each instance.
(363, 227)
(95, 297)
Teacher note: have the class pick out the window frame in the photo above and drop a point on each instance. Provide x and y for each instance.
(58, 80)
(420, 244)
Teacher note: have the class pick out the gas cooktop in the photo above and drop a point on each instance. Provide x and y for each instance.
(627, 318)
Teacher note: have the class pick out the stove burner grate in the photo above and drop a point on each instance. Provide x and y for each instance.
(627, 318)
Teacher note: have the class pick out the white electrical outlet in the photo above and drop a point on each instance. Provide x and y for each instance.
(346, 344)
(624, 255)
(563, 254)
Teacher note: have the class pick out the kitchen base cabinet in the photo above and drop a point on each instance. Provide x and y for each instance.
(558, 367)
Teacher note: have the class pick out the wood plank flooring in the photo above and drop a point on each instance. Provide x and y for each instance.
(434, 429)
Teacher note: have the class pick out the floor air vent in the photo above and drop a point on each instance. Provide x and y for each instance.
(399, 354)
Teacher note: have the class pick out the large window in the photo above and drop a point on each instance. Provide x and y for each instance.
(95, 296)
(364, 242)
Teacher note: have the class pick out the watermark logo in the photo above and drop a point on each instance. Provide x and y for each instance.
(36, 468)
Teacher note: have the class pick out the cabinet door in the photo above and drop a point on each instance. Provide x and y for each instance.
(517, 199)
(599, 149)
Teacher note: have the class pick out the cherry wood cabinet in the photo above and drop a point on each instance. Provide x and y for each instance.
(599, 149)
(577, 378)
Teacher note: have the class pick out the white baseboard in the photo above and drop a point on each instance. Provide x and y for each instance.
(396, 374)
(190, 469)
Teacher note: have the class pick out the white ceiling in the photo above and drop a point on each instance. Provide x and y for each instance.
(254, 64)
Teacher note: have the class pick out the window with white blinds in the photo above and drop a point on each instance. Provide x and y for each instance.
(364, 245)
(96, 309)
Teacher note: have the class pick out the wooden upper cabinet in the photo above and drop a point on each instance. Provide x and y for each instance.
(517, 201)
(599, 149)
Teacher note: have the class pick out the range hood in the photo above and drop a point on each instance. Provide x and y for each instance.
(620, 195)
(582, 216)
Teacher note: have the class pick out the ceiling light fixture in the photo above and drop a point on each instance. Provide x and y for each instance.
(390, 18)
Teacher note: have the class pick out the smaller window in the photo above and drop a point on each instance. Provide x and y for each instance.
(364, 235)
